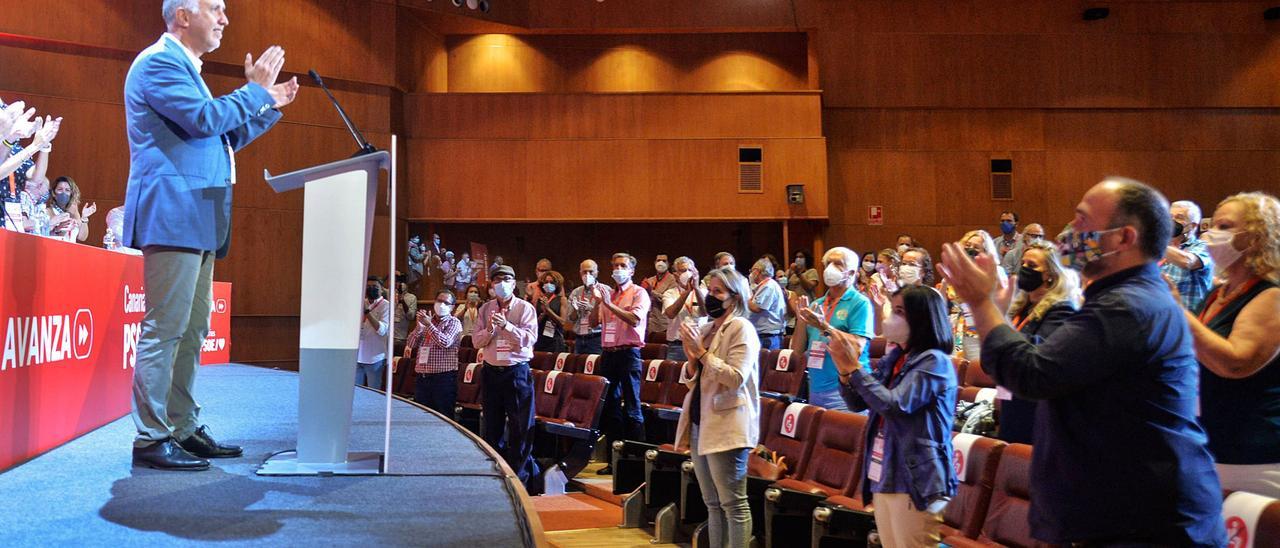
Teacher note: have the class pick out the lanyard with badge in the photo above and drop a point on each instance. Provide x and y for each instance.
(501, 344)
(818, 349)
(611, 326)
(875, 466)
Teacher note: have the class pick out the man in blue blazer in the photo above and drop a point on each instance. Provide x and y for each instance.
(182, 142)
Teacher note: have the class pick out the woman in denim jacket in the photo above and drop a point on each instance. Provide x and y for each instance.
(911, 395)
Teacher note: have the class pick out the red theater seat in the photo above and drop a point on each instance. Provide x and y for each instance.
(781, 375)
(834, 469)
(1006, 523)
(976, 459)
(653, 352)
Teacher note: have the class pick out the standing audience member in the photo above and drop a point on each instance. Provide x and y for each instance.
(65, 200)
(436, 339)
(469, 311)
(586, 334)
(1237, 340)
(841, 308)
(767, 306)
(682, 305)
(802, 277)
(553, 308)
(448, 271)
(911, 397)
(1008, 235)
(1012, 260)
(375, 322)
(1118, 458)
(916, 268)
(533, 289)
(974, 243)
(1186, 261)
(905, 242)
(1047, 295)
(416, 258)
(621, 315)
(403, 319)
(724, 258)
(865, 273)
(464, 273)
(657, 285)
(721, 420)
(506, 333)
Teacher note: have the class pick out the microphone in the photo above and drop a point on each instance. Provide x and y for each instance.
(365, 147)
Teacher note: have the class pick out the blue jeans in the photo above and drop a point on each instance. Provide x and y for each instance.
(372, 375)
(675, 352)
(586, 344)
(622, 419)
(438, 391)
(722, 478)
(770, 342)
(508, 407)
(830, 399)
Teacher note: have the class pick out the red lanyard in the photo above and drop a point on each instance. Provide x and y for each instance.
(829, 308)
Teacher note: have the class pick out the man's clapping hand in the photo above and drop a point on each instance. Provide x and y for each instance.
(266, 69)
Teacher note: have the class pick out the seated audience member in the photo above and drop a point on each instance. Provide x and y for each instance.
(910, 395)
(916, 268)
(586, 334)
(552, 309)
(436, 336)
(723, 365)
(1009, 238)
(657, 285)
(65, 200)
(1047, 295)
(682, 305)
(1237, 341)
(468, 311)
(1118, 457)
(1013, 259)
(841, 308)
(375, 322)
(802, 277)
(18, 165)
(905, 242)
(767, 307)
(1186, 261)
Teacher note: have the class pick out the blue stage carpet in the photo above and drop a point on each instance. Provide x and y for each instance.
(86, 493)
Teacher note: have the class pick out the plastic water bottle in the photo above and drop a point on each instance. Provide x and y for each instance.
(41, 219)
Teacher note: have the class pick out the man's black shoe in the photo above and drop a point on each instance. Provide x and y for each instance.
(606, 471)
(167, 455)
(202, 445)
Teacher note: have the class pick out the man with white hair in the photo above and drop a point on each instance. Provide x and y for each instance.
(842, 308)
(182, 143)
(1186, 260)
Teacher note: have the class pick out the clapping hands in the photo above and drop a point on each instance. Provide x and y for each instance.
(266, 70)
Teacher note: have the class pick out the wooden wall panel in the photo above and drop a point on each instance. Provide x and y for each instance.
(628, 63)
(268, 341)
(594, 116)
(621, 179)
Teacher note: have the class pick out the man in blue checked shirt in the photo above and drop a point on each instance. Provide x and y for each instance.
(1186, 261)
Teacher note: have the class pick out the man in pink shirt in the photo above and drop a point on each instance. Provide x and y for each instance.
(506, 328)
(621, 315)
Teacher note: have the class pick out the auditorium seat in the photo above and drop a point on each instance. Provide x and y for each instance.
(975, 459)
(781, 375)
(549, 389)
(792, 446)
(564, 362)
(656, 337)
(1238, 513)
(657, 377)
(470, 396)
(403, 380)
(878, 347)
(586, 363)
(465, 342)
(975, 376)
(653, 352)
(833, 470)
(976, 393)
(578, 420)
(1006, 522)
(542, 360)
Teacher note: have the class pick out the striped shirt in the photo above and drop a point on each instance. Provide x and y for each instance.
(437, 344)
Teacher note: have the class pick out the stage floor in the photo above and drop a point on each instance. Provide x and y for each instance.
(444, 490)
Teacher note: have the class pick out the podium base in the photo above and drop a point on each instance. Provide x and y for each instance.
(357, 464)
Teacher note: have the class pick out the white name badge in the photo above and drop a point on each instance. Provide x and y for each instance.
(784, 361)
(550, 386)
(791, 419)
(549, 330)
(503, 348)
(590, 367)
(817, 354)
(875, 466)
(560, 360)
(651, 373)
(610, 335)
(468, 376)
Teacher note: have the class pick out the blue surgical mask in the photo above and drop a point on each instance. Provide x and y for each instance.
(1006, 227)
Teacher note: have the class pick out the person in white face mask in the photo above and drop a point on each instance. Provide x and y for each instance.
(905, 242)
(1237, 341)
(767, 306)
(506, 333)
(657, 285)
(553, 308)
(622, 315)
(842, 309)
(683, 305)
(586, 336)
(432, 348)
(916, 268)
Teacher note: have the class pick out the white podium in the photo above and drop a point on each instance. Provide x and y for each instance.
(337, 227)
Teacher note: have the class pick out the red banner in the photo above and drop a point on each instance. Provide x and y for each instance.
(70, 316)
(217, 345)
(480, 256)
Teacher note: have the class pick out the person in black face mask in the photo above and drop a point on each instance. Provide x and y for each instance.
(1047, 295)
(65, 199)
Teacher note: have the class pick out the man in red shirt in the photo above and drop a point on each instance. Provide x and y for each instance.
(621, 315)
